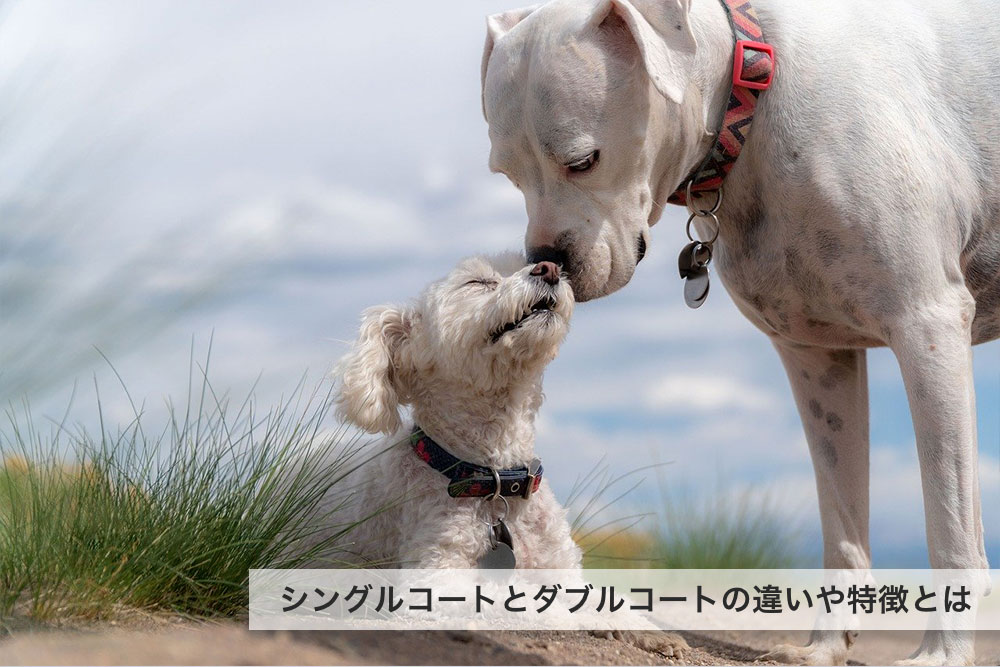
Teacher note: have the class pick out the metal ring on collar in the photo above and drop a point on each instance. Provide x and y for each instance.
(714, 217)
(496, 480)
(703, 212)
(506, 510)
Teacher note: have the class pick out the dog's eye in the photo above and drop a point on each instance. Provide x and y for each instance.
(484, 282)
(584, 164)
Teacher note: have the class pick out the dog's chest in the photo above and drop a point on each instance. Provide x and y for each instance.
(803, 288)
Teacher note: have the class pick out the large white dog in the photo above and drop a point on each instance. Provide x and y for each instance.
(864, 210)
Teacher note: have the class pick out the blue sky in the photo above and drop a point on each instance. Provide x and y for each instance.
(265, 171)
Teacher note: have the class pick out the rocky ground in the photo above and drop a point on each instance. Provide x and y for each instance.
(183, 643)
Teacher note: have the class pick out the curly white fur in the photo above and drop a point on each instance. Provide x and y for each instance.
(474, 393)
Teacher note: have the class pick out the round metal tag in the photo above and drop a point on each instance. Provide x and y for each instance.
(696, 288)
(500, 557)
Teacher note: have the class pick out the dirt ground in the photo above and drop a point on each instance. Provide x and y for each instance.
(183, 644)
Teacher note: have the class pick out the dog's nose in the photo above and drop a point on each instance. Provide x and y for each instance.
(547, 271)
(548, 254)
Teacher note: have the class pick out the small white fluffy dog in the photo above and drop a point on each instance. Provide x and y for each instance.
(468, 357)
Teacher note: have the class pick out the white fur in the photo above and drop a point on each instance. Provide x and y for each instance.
(864, 211)
(473, 396)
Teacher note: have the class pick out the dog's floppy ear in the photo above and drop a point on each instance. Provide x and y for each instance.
(662, 30)
(371, 377)
(497, 26)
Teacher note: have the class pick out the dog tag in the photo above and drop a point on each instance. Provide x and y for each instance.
(696, 288)
(693, 268)
(501, 554)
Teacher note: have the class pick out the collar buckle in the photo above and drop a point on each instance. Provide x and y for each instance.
(531, 477)
(529, 486)
(756, 60)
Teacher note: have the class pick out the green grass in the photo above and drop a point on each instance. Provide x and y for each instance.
(727, 531)
(741, 531)
(91, 524)
(97, 525)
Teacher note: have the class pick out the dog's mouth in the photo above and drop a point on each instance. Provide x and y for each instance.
(542, 307)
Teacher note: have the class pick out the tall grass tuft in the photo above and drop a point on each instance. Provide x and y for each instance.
(93, 523)
(608, 537)
(726, 531)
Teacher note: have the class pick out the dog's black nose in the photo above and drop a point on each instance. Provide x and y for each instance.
(547, 271)
(548, 254)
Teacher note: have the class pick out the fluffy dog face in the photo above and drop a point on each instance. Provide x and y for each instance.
(491, 324)
(573, 92)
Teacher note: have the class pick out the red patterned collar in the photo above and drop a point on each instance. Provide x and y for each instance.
(469, 480)
(753, 71)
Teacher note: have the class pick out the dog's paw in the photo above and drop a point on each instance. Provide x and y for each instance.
(944, 648)
(822, 654)
(666, 644)
(936, 659)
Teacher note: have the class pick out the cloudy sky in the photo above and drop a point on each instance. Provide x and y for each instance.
(261, 172)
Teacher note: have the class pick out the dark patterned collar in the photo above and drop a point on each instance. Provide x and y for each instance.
(469, 480)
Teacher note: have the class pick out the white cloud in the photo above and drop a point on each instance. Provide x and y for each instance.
(693, 392)
(330, 220)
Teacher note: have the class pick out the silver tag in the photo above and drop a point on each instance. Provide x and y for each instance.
(693, 268)
(696, 288)
(501, 554)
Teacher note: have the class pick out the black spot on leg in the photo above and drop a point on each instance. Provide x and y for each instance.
(815, 408)
(834, 421)
(833, 376)
(842, 357)
(828, 451)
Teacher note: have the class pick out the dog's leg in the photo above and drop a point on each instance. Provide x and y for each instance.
(933, 346)
(831, 391)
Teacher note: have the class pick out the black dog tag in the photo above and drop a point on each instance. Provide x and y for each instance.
(501, 554)
(693, 268)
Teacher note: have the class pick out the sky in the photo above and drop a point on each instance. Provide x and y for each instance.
(255, 174)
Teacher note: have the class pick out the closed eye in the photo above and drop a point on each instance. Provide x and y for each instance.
(485, 282)
(585, 163)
